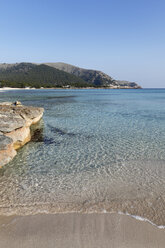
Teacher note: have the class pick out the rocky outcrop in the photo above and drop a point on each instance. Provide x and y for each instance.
(7, 151)
(15, 122)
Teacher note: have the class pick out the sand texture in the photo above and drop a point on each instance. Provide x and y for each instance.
(79, 230)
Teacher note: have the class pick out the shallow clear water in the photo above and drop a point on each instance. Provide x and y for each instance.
(94, 150)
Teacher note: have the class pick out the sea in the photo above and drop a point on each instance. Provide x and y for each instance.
(95, 150)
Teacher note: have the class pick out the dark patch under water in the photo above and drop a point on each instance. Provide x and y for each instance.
(38, 136)
(60, 131)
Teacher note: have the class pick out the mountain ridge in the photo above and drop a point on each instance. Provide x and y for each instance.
(31, 75)
(59, 74)
(78, 71)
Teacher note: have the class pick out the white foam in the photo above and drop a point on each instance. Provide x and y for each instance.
(142, 219)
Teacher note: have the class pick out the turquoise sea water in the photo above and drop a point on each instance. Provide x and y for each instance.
(95, 150)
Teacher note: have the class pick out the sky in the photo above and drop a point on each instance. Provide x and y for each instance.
(123, 38)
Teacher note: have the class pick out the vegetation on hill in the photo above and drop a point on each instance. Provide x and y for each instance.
(27, 74)
(50, 75)
(93, 77)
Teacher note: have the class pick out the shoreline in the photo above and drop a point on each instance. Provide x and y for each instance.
(71, 88)
(8, 88)
(45, 212)
(75, 230)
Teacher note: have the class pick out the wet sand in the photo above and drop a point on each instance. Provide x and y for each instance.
(79, 230)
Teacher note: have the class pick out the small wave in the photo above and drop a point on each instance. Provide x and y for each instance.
(142, 219)
(91, 211)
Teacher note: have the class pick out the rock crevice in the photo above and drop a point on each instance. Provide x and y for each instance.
(15, 122)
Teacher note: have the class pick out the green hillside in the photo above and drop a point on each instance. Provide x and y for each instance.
(94, 77)
(49, 75)
(27, 74)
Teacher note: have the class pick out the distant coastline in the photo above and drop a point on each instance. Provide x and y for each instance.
(65, 88)
(57, 75)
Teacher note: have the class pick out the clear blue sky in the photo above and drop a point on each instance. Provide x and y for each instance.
(123, 38)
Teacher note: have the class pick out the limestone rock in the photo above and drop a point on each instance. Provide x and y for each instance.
(14, 117)
(10, 121)
(7, 151)
(4, 142)
(15, 122)
(17, 103)
(20, 136)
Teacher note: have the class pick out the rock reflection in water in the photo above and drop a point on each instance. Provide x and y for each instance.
(37, 132)
(37, 135)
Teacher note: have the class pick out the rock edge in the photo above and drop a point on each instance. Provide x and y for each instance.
(15, 122)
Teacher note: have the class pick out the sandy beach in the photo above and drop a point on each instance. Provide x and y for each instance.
(8, 88)
(99, 164)
(79, 230)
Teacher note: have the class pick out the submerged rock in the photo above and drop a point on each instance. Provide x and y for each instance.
(15, 122)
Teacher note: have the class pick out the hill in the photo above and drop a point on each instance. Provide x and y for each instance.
(51, 75)
(94, 77)
(28, 74)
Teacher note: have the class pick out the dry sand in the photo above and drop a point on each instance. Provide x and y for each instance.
(79, 230)
(8, 88)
